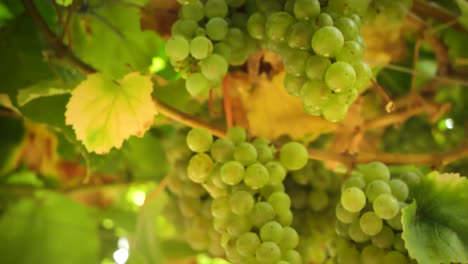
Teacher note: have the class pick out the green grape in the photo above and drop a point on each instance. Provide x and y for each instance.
(222, 150)
(349, 255)
(199, 140)
(268, 252)
(201, 47)
(399, 189)
(232, 172)
(235, 3)
(334, 110)
(341, 229)
(399, 243)
(277, 26)
(295, 61)
(354, 181)
(293, 156)
(262, 213)
(323, 20)
(340, 76)
(280, 202)
(376, 188)
(289, 240)
(395, 257)
(344, 215)
(303, 176)
(247, 244)
(241, 202)
(306, 9)
(356, 18)
(276, 171)
(300, 36)
(384, 239)
(347, 27)
(216, 28)
(316, 67)
(322, 180)
(197, 239)
(271, 231)
(256, 176)
(318, 200)
(264, 153)
(375, 171)
(327, 41)
(200, 32)
(293, 84)
(193, 11)
(372, 255)
(177, 48)
(350, 53)
(285, 218)
(192, 189)
(256, 25)
(245, 153)
(298, 198)
(214, 67)
(189, 207)
(220, 224)
(356, 233)
(199, 167)
(363, 75)
(184, 27)
(236, 134)
(292, 256)
(235, 39)
(268, 6)
(315, 94)
(216, 8)
(395, 222)
(237, 225)
(410, 178)
(386, 206)
(222, 49)
(353, 199)
(197, 84)
(349, 6)
(370, 223)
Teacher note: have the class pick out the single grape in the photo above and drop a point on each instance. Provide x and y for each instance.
(222, 150)
(247, 244)
(256, 25)
(410, 178)
(363, 75)
(285, 218)
(334, 110)
(395, 222)
(216, 28)
(315, 94)
(347, 27)
(295, 61)
(353, 199)
(289, 240)
(293, 156)
(276, 171)
(232, 172)
(340, 76)
(277, 26)
(280, 202)
(177, 48)
(323, 20)
(268, 252)
(375, 171)
(193, 11)
(268, 6)
(399, 189)
(376, 188)
(264, 153)
(292, 256)
(245, 153)
(372, 255)
(199, 167)
(344, 215)
(262, 213)
(306, 9)
(384, 239)
(399, 243)
(256, 176)
(350, 53)
(293, 84)
(241, 202)
(236, 134)
(356, 233)
(395, 257)
(386, 206)
(354, 181)
(370, 223)
(271, 231)
(199, 140)
(316, 67)
(185, 28)
(237, 225)
(220, 207)
(214, 67)
(197, 84)
(300, 36)
(318, 200)
(216, 8)
(222, 49)
(201, 47)
(327, 41)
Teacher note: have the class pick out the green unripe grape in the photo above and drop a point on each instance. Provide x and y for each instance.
(386, 206)
(280, 202)
(400, 189)
(334, 110)
(268, 6)
(290, 239)
(315, 94)
(347, 27)
(177, 48)
(199, 167)
(216, 8)
(295, 61)
(199, 140)
(220, 207)
(264, 153)
(376, 188)
(271, 231)
(285, 218)
(247, 244)
(327, 41)
(236, 134)
(262, 213)
(372, 255)
(194, 11)
(351, 52)
(201, 47)
(299, 36)
(217, 28)
(268, 252)
(353, 199)
(354, 181)
(241, 202)
(344, 215)
(323, 20)
(222, 150)
(222, 49)
(197, 84)
(214, 67)
(292, 256)
(410, 178)
(370, 223)
(232, 172)
(340, 76)
(395, 222)
(395, 257)
(245, 153)
(293, 84)
(375, 171)
(184, 27)
(276, 171)
(306, 9)
(256, 176)
(256, 25)
(318, 200)
(345, 7)
(399, 243)
(316, 67)
(200, 32)
(237, 225)
(293, 156)
(363, 75)
(277, 26)
(235, 3)
(384, 239)
(356, 233)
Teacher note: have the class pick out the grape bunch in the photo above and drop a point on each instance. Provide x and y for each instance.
(369, 216)
(250, 209)
(206, 39)
(314, 192)
(387, 11)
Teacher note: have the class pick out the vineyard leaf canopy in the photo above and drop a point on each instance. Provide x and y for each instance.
(104, 112)
(435, 226)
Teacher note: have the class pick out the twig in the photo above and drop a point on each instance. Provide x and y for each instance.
(157, 191)
(426, 10)
(390, 105)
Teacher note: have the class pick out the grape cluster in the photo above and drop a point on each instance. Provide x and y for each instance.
(250, 209)
(388, 11)
(369, 215)
(314, 192)
(206, 39)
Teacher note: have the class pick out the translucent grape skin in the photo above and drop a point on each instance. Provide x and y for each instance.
(236, 134)
(280, 202)
(232, 172)
(353, 199)
(241, 202)
(271, 231)
(194, 11)
(293, 156)
(216, 8)
(277, 26)
(199, 167)
(327, 41)
(268, 252)
(372, 255)
(376, 188)
(199, 140)
(384, 239)
(344, 215)
(177, 48)
(256, 25)
(356, 233)
(290, 238)
(245, 153)
(340, 76)
(370, 223)
(399, 189)
(222, 150)
(386, 206)
(216, 28)
(197, 84)
(214, 67)
(293, 84)
(306, 9)
(256, 176)
(316, 66)
(262, 212)
(201, 47)
(247, 244)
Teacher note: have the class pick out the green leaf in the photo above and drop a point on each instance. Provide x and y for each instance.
(43, 88)
(48, 229)
(24, 177)
(104, 113)
(435, 225)
(111, 39)
(463, 5)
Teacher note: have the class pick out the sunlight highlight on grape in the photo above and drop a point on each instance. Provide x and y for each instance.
(138, 197)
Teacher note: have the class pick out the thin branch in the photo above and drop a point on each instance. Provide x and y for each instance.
(427, 10)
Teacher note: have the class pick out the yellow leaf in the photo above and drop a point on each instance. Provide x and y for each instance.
(104, 112)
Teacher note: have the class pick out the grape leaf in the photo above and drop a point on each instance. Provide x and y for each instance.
(463, 5)
(104, 113)
(48, 229)
(42, 88)
(435, 225)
